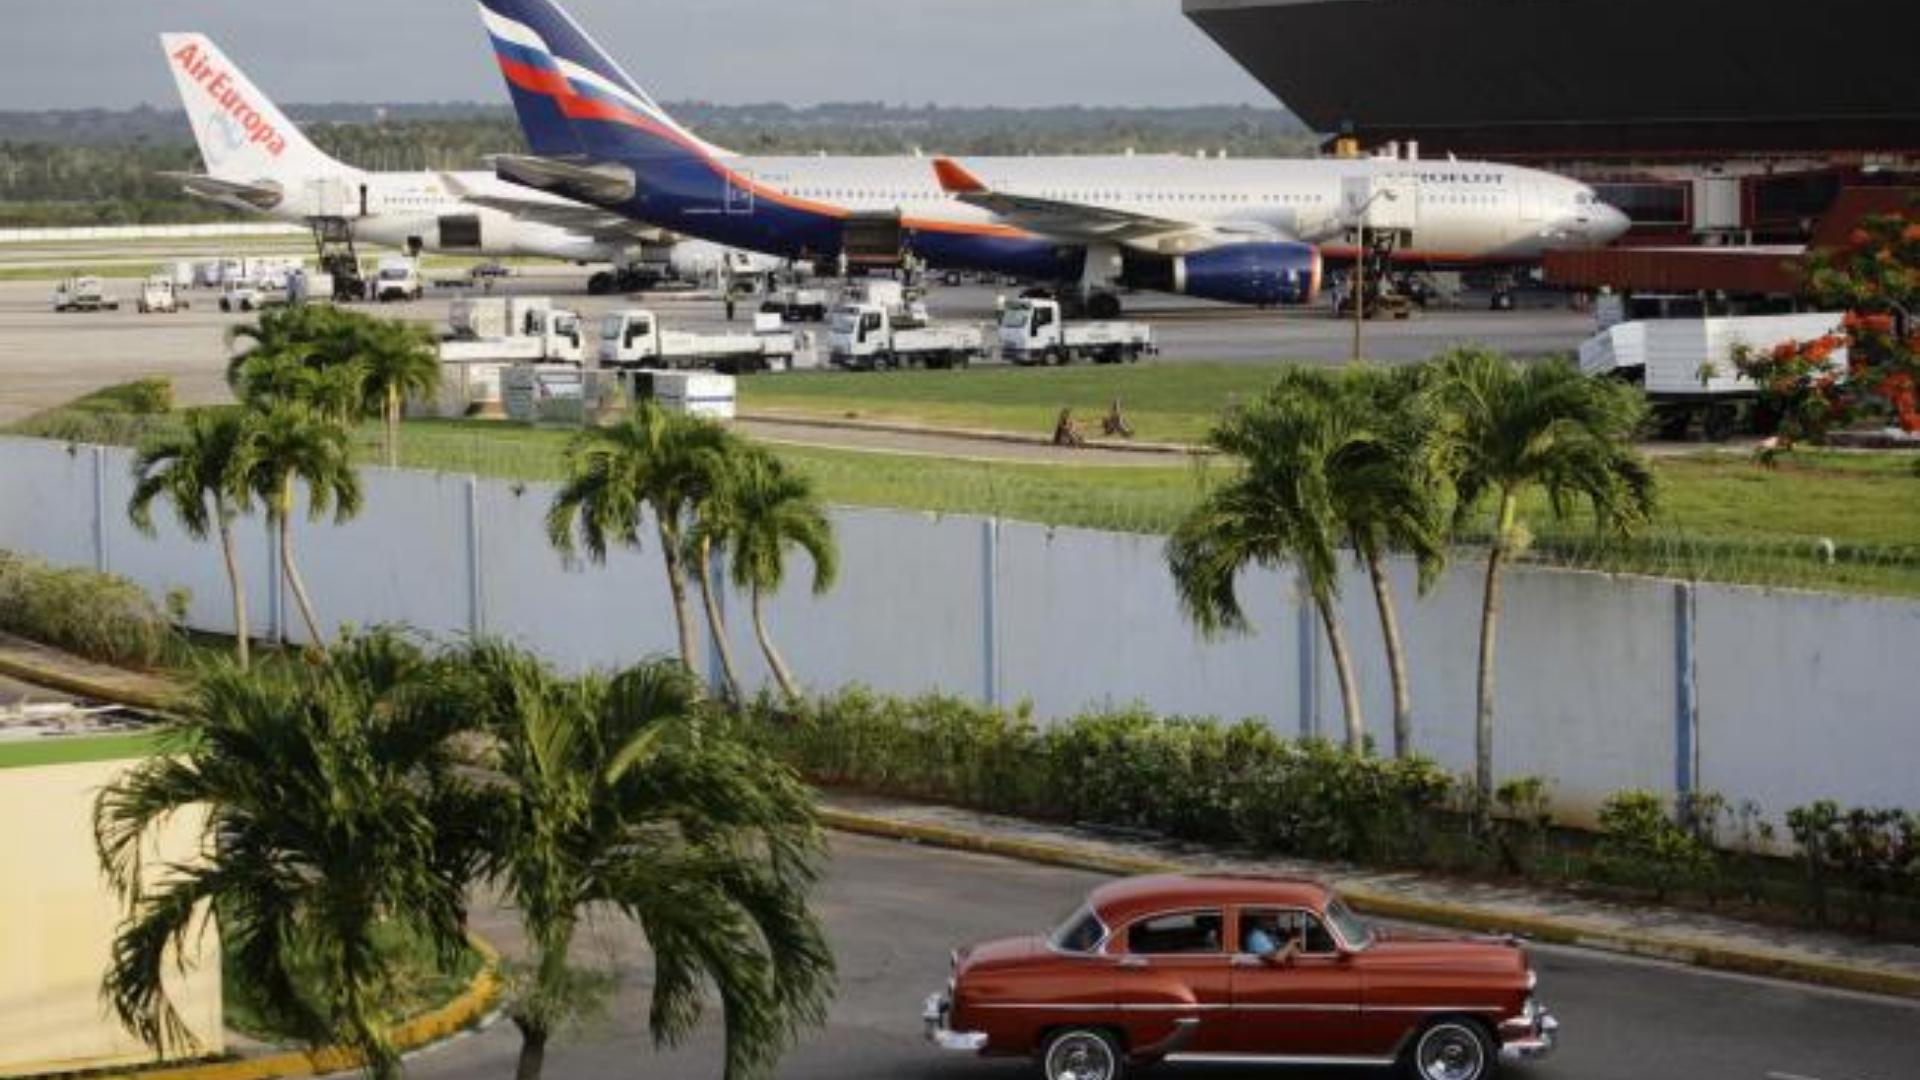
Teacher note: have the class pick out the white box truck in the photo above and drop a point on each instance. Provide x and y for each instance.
(865, 337)
(526, 330)
(635, 338)
(1032, 331)
(1686, 366)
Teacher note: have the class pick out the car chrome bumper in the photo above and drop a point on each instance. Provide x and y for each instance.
(1529, 1036)
(934, 1015)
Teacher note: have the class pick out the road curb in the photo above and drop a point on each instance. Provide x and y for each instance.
(426, 1029)
(1695, 952)
(898, 427)
(80, 685)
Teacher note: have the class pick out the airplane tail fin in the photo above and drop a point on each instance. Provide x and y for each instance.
(572, 99)
(242, 136)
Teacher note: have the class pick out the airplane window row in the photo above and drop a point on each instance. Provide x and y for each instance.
(1073, 196)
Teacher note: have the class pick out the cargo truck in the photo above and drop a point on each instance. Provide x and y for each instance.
(513, 330)
(865, 336)
(634, 338)
(84, 293)
(1033, 331)
(160, 294)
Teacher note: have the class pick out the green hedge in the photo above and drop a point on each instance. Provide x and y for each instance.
(1240, 784)
(98, 616)
(1195, 779)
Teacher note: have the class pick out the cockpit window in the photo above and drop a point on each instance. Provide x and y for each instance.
(1081, 932)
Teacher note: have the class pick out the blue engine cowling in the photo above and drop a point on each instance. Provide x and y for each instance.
(1266, 274)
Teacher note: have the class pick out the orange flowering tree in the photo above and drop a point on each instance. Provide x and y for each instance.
(1875, 279)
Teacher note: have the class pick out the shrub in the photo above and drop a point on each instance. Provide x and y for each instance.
(1195, 779)
(1641, 844)
(1522, 822)
(1873, 852)
(96, 615)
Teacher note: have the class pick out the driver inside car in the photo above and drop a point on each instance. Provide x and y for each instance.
(1264, 937)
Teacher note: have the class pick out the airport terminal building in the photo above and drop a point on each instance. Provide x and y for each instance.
(1709, 121)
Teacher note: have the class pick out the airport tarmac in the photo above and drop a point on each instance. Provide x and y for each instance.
(48, 358)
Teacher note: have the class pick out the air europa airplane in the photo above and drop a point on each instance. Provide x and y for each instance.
(1242, 231)
(257, 160)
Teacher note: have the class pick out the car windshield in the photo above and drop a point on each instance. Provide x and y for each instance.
(1015, 318)
(1353, 929)
(1080, 932)
(845, 322)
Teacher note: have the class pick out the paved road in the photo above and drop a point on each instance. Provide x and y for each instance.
(46, 359)
(893, 910)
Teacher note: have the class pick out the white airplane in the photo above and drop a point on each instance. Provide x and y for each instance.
(257, 160)
(1245, 231)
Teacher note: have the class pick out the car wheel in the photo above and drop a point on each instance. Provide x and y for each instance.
(1082, 1054)
(1453, 1049)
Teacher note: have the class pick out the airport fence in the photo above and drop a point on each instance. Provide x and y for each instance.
(1606, 682)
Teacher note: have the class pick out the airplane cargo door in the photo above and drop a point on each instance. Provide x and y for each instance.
(1532, 201)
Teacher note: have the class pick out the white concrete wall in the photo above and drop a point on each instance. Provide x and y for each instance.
(1800, 696)
(1805, 697)
(1585, 673)
(1091, 619)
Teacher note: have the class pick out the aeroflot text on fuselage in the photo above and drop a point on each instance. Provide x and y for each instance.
(220, 88)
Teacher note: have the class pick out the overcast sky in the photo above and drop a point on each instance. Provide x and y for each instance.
(82, 53)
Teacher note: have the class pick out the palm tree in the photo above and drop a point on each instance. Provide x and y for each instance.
(1277, 509)
(625, 793)
(1511, 429)
(1390, 492)
(396, 359)
(292, 444)
(769, 508)
(331, 812)
(201, 471)
(650, 461)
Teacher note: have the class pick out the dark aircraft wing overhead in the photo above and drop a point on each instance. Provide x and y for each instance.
(573, 217)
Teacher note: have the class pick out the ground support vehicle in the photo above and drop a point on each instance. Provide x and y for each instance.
(795, 304)
(1686, 366)
(1239, 969)
(84, 293)
(491, 335)
(865, 337)
(1033, 331)
(903, 305)
(635, 338)
(398, 278)
(519, 330)
(240, 294)
(160, 294)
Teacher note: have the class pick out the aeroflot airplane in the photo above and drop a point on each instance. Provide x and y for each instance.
(258, 160)
(1250, 232)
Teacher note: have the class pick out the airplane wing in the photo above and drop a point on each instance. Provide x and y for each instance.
(264, 195)
(578, 218)
(1083, 222)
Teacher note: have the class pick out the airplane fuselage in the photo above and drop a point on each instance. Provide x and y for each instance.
(1462, 213)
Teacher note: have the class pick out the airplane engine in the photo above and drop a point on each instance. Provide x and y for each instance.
(1266, 274)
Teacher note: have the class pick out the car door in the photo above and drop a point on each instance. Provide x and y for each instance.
(1306, 1004)
(1171, 981)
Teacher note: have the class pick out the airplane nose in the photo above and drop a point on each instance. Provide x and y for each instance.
(1611, 225)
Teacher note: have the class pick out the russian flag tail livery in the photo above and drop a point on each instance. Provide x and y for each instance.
(242, 137)
(573, 100)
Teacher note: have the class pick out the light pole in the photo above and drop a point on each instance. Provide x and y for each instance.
(1360, 264)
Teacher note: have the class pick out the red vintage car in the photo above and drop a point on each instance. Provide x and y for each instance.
(1253, 970)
